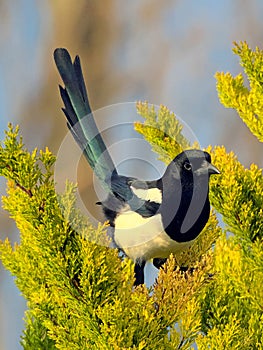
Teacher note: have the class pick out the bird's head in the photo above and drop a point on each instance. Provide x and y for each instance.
(190, 164)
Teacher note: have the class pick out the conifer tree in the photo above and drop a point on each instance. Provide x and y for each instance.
(80, 291)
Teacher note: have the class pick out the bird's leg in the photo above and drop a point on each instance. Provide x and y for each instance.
(158, 263)
(187, 269)
(139, 273)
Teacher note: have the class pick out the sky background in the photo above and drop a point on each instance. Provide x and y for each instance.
(166, 58)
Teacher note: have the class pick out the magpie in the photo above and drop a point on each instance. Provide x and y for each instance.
(149, 219)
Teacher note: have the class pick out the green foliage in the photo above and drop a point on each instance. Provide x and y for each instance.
(79, 291)
(233, 93)
(35, 336)
(238, 195)
(162, 130)
(231, 305)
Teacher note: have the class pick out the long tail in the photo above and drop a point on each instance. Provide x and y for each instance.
(79, 116)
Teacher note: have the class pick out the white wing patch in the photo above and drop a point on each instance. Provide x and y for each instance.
(149, 194)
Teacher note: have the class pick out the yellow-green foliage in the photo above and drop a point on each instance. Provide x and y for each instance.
(79, 291)
(231, 304)
(247, 101)
(238, 194)
(162, 130)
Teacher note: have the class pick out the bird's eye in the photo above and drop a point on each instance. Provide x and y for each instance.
(187, 166)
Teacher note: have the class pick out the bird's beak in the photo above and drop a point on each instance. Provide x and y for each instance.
(212, 169)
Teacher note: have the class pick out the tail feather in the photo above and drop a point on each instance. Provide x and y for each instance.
(79, 116)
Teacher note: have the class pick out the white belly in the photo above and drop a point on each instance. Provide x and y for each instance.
(144, 237)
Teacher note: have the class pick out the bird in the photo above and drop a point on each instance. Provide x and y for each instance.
(150, 219)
